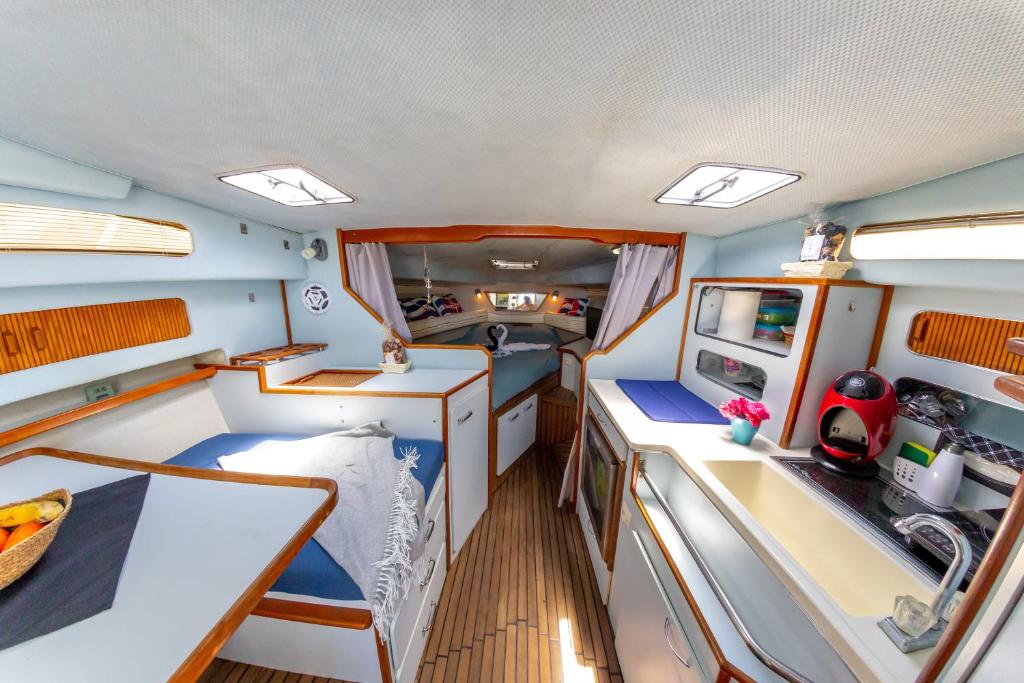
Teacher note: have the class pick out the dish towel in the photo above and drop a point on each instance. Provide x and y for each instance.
(374, 532)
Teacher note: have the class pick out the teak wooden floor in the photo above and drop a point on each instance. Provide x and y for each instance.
(223, 671)
(521, 585)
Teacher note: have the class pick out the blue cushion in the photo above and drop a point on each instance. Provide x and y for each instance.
(669, 401)
(312, 571)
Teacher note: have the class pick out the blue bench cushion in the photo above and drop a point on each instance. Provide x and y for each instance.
(668, 401)
(312, 572)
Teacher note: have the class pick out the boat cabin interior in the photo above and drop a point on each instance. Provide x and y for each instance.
(542, 341)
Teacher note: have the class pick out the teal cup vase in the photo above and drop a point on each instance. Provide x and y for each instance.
(742, 431)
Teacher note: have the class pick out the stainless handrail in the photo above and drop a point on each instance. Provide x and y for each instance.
(766, 657)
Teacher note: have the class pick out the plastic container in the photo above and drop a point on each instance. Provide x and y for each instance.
(768, 332)
(788, 333)
(940, 481)
(776, 315)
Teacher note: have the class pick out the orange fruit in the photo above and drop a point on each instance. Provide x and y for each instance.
(21, 533)
(4, 533)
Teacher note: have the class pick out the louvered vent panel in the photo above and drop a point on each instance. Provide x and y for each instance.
(969, 339)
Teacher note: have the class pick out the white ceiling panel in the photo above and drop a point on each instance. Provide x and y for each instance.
(537, 111)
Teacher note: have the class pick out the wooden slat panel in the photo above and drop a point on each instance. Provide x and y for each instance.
(524, 569)
(970, 339)
(35, 338)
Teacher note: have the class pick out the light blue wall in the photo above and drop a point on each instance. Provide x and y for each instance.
(652, 350)
(353, 335)
(994, 187)
(221, 251)
(220, 313)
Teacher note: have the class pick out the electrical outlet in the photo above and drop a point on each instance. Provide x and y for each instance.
(244, 228)
(252, 297)
(97, 392)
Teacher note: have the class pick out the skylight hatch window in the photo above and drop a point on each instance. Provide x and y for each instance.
(291, 186)
(502, 264)
(723, 186)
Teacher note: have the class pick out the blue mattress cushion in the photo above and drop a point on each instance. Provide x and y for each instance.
(312, 572)
(667, 401)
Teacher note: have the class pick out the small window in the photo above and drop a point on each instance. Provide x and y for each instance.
(516, 301)
(969, 339)
(988, 236)
(26, 228)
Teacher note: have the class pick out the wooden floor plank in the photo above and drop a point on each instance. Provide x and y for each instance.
(523, 570)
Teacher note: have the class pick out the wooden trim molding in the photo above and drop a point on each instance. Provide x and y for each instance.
(314, 613)
(287, 317)
(475, 233)
(883, 318)
(67, 417)
(810, 343)
(214, 640)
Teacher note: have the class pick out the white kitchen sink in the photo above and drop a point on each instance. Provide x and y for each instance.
(859, 574)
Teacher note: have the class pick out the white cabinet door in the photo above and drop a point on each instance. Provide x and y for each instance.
(648, 639)
(517, 430)
(467, 460)
(570, 372)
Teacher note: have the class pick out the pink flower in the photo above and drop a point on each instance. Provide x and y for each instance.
(740, 407)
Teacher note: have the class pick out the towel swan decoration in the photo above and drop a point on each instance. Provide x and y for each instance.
(498, 347)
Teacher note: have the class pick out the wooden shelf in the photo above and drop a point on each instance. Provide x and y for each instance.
(276, 354)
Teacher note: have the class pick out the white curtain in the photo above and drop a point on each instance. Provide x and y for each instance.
(639, 267)
(369, 274)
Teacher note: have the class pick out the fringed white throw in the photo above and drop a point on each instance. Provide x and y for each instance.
(374, 532)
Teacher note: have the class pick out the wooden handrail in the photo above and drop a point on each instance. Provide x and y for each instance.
(1012, 385)
(67, 417)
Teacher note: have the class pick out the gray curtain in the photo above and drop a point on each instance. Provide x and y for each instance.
(369, 274)
(639, 268)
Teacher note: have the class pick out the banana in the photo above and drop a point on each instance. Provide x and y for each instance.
(39, 511)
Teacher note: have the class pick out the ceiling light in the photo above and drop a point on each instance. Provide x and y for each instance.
(502, 264)
(617, 250)
(990, 236)
(289, 185)
(723, 186)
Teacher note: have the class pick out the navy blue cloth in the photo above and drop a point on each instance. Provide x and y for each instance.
(77, 577)
(312, 571)
(669, 401)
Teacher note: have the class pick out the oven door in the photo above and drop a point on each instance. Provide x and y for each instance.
(602, 485)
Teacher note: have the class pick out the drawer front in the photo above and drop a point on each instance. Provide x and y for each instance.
(618, 443)
(517, 430)
(648, 636)
(411, 649)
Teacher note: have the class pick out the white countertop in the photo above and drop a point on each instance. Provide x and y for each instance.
(857, 639)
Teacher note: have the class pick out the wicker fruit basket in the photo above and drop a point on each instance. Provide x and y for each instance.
(22, 557)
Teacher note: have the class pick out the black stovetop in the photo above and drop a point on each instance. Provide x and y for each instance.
(877, 501)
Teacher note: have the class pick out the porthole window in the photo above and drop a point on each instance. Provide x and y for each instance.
(26, 228)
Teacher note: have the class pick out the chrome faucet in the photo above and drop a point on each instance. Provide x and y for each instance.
(948, 587)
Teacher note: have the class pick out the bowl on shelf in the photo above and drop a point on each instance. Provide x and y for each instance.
(18, 559)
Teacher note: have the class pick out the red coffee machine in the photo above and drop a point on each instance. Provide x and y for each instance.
(855, 422)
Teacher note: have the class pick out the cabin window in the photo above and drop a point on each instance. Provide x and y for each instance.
(516, 301)
(970, 339)
(997, 236)
(26, 228)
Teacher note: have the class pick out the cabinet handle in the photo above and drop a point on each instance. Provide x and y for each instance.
(668, 639)
(430, 531)
(529, 407)
(600, 418)
(430, 619)
(430, 573)
(465, 417)
(514, 418)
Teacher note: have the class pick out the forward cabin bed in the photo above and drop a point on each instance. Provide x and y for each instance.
(518, 371)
